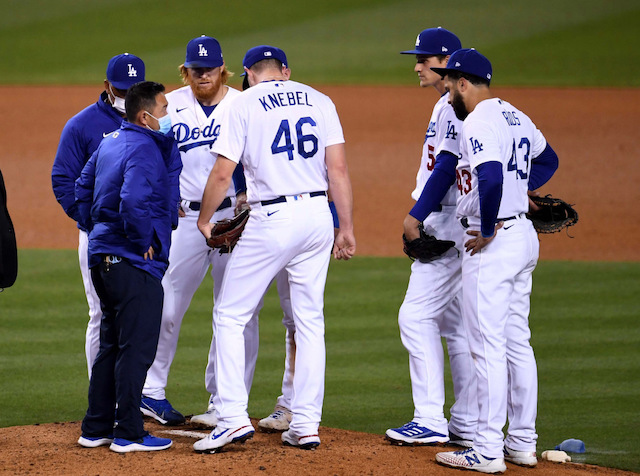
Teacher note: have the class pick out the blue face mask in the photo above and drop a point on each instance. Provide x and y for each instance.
(164, 123)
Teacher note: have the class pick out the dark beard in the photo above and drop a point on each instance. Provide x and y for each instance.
(459, 108)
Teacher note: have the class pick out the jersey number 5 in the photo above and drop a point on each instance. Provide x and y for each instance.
(432, 158)
(282, 141)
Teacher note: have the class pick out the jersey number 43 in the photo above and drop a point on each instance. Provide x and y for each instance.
(307, 144)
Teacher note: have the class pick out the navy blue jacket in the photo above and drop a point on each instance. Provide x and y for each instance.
(80, 138)
(123, 197)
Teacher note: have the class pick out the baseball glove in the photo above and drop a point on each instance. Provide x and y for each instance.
(554, 214)
(226, 233)
(426, 248)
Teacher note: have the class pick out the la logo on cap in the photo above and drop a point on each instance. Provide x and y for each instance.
(133, 73)
(202, 51)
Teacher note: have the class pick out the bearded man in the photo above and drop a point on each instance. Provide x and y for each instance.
(194, 110)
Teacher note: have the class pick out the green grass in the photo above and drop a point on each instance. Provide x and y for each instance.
(547, 42)
(585, 333)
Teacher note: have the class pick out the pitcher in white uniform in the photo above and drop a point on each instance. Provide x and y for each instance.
(504, 156)
(289, 138)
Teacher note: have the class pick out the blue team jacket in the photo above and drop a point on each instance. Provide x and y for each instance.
(123, 197)
(80, 138)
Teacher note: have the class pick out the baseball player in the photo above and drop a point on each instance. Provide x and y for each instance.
(503, 156)
(194, 110)
(431, 307)
(79, 139)
(289, 139)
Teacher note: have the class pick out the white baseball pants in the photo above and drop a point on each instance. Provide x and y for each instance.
(496, 290)
(189, 260)
(431, 310)
(297, 236)
(92, 339)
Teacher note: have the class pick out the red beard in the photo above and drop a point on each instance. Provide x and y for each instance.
(205, 92)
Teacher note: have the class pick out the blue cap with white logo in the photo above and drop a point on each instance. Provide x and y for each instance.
(435, 41)
(259, 53)
(468, 61)
(203, 52)
(125, 70)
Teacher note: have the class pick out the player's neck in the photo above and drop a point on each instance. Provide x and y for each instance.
(477, 97)
(439, 86)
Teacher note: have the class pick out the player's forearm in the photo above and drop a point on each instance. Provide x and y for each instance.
(340, 185)
(442, 177)
(216, 189)
(340, 190)
(490, 194)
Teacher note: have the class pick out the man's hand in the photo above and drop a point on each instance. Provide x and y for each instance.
(149, 254)
(344, 246)
(411, 228)
(205, 229)
(476, 244)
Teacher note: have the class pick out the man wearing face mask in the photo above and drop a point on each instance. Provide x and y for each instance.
(80, 138)
(125, 199)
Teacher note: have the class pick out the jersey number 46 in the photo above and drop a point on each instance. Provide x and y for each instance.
(307, 143)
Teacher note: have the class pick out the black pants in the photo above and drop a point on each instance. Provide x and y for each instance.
(131, 301)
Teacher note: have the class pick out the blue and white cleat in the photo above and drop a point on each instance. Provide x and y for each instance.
(148, 443)
(472, 460)
(161, 410)
(412, 434)
(220, 437)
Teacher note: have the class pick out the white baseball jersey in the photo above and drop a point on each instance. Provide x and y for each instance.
(193, 130)
(442, 135)
(497, 131)
(306, 123)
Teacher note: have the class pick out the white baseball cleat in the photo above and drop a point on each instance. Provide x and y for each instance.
(472, 460)
(220, 437)
(522, 458)
(208, 419)
(278, 421)
(307, 442)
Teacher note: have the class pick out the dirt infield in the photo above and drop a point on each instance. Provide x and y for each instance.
(593, 132)
(52, 450)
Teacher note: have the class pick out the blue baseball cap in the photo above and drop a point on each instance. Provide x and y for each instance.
(435, 41)
(125, 70)
(203, 52)
(469, 61)
(259, 53)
